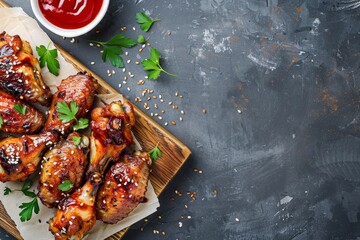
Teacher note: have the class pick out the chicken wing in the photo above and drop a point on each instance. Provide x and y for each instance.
(76, 215)
(20, 72)
(111, 133)
(19, 157)
(65, 162)
(124, 187)
(79, 88)
(15, 122)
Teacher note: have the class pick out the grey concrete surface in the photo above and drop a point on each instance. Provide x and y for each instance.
(278, 147)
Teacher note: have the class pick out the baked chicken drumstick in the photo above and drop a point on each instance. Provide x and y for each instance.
(19, 157)
(110, 133)
(79, 88)
(20, 71)
(28, 122)
(124, 187)
(63, 164)
(76, 215)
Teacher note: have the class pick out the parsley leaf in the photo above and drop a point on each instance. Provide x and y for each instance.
(144, 21)
(141, 39)
(65, 185)
(1, 121)
(28, 208)
(49, 57)
(155, 153)
(20, 108)
(153, 65)
(68, 114)
(81, 124)
(76, 140)
(113, 48)
(7, 191)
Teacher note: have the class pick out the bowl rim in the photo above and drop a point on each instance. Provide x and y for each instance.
(68, 32)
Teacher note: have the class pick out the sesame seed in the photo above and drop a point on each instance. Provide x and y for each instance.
(204, 110)
(128, 61)
(236, 219)
(126, 53)
(173, 123)
(92, 63)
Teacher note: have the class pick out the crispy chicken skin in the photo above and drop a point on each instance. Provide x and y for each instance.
(76, 215)
(20, 72)
(79, 88)
(15, 122)
(124, 187)
(111, 133)
(19, 157)
(65, 161)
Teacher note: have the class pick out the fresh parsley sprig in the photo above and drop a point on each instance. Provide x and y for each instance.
(76, 140)
(20, 108)
(155, 153)
(1, 121)
(28, 207)
(65, 185)
(49, 57)
(145, 21)
(68, 114)
(152, 64)
(113, 48)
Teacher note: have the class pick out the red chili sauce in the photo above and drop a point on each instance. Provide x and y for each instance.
(70, 14)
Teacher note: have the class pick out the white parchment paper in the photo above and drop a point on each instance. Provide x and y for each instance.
(16, 21)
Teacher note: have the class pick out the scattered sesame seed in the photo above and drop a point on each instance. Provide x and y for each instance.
(236, 219)
(239, 111)
(180, 224)
(126, 53)
(137, 62)
(72, 40)
(92, 63)
(128, 89)
(128, 61)
(180, 118)
(173, 123)
(204, 110)
(166, 123)
(134, 28)
(91, 44)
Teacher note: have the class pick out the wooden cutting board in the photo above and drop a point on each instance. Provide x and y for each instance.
(147, 131)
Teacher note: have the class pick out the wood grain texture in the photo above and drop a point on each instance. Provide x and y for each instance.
(147, 131)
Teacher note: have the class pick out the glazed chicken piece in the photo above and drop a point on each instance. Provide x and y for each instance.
(15, 122)
(19, 157)
(110, 133)
(124, 187)
(79, 88)
(20, 72)
(64, 162)
(76, 215)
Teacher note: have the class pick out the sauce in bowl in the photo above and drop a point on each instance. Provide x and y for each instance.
(70, 14)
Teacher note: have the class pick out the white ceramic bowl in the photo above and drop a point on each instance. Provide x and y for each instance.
(68, 32)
